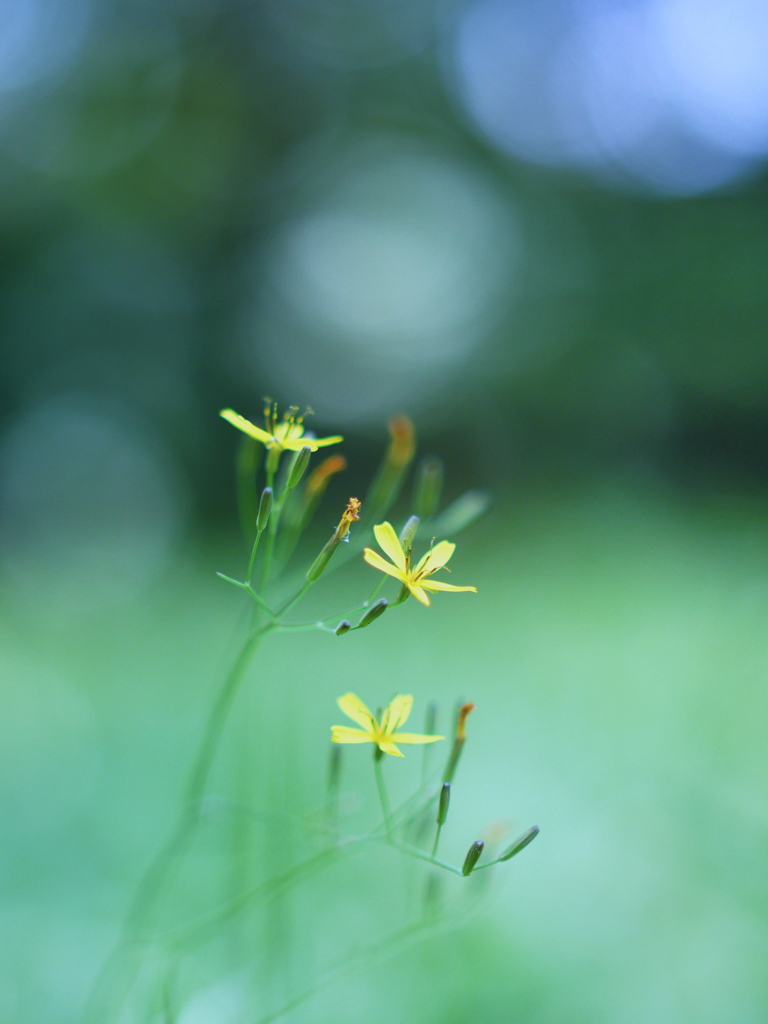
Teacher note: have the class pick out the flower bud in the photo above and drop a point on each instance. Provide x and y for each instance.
(520, 843)
(429, 486)
(473, 856)
(265, 508)
(444, 803)
(398, 457)
(459, 740)
(298, 467)
(373, 613)
(462, 513)
(408, 535)
(402, 446)
(461, 720)
(343, 627)
(320, 477)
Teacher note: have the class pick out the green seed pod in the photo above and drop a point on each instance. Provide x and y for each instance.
(473, 856)
(429, 486)
(298, 467)
(265, 508)
(520, 843)
(373, 613)
(317, 568)
(444, 803)
(342, 628)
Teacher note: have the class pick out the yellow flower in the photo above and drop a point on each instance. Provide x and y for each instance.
(287, 434)
(395, 714)
(416, 580)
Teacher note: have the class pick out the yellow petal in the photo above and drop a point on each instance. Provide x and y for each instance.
(390, 748)
(389, 544)
(435, 585)
(418, 593)
(354, 708)
(397, 712)
(323, 442)
(246, 426)
(374, 558)
(437, 557)
(414, 737)
(297, 445)
(346, 734)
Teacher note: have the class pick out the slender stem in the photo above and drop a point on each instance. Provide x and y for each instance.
(254, 549)
(219, 713)
(249, 589)
(414, 851)
(294, 600)
(437, 840)
(197, 929)
(320, 623)
(386, 808)
(120, 970)
(365, 955)
(266, 564)
(261, 603)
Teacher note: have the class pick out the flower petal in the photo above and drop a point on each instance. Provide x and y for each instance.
(390, 748)
(246, 426)
(389, 543)
(419, 593)
(414, 737)
(374, 558)
(435, 585)
(346, 734)
(323, 442)
(436, 558)
(354, 708)
(397, 712)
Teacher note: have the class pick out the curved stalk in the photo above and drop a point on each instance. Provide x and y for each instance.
(121, 969)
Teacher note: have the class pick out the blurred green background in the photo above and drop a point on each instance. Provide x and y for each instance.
(540, 230)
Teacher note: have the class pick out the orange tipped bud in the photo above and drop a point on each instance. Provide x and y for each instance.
(461, 722)
(320, 477)
(402, 447)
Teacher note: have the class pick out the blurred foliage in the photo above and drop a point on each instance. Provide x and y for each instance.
(617, 658)
(152, 166)
(210, 201)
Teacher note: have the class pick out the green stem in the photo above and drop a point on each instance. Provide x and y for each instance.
(362, 956)
(437, 840)
(294, 600)
(386, 808)
(319, 623)
(254, 549)
(266, 565)
(262, 604)
(414, 851)
(119, 972)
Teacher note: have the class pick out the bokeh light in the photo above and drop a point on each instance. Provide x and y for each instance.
(389, 282)
(39, 38)
(90, 507)
(671, 95)
(105, 111)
